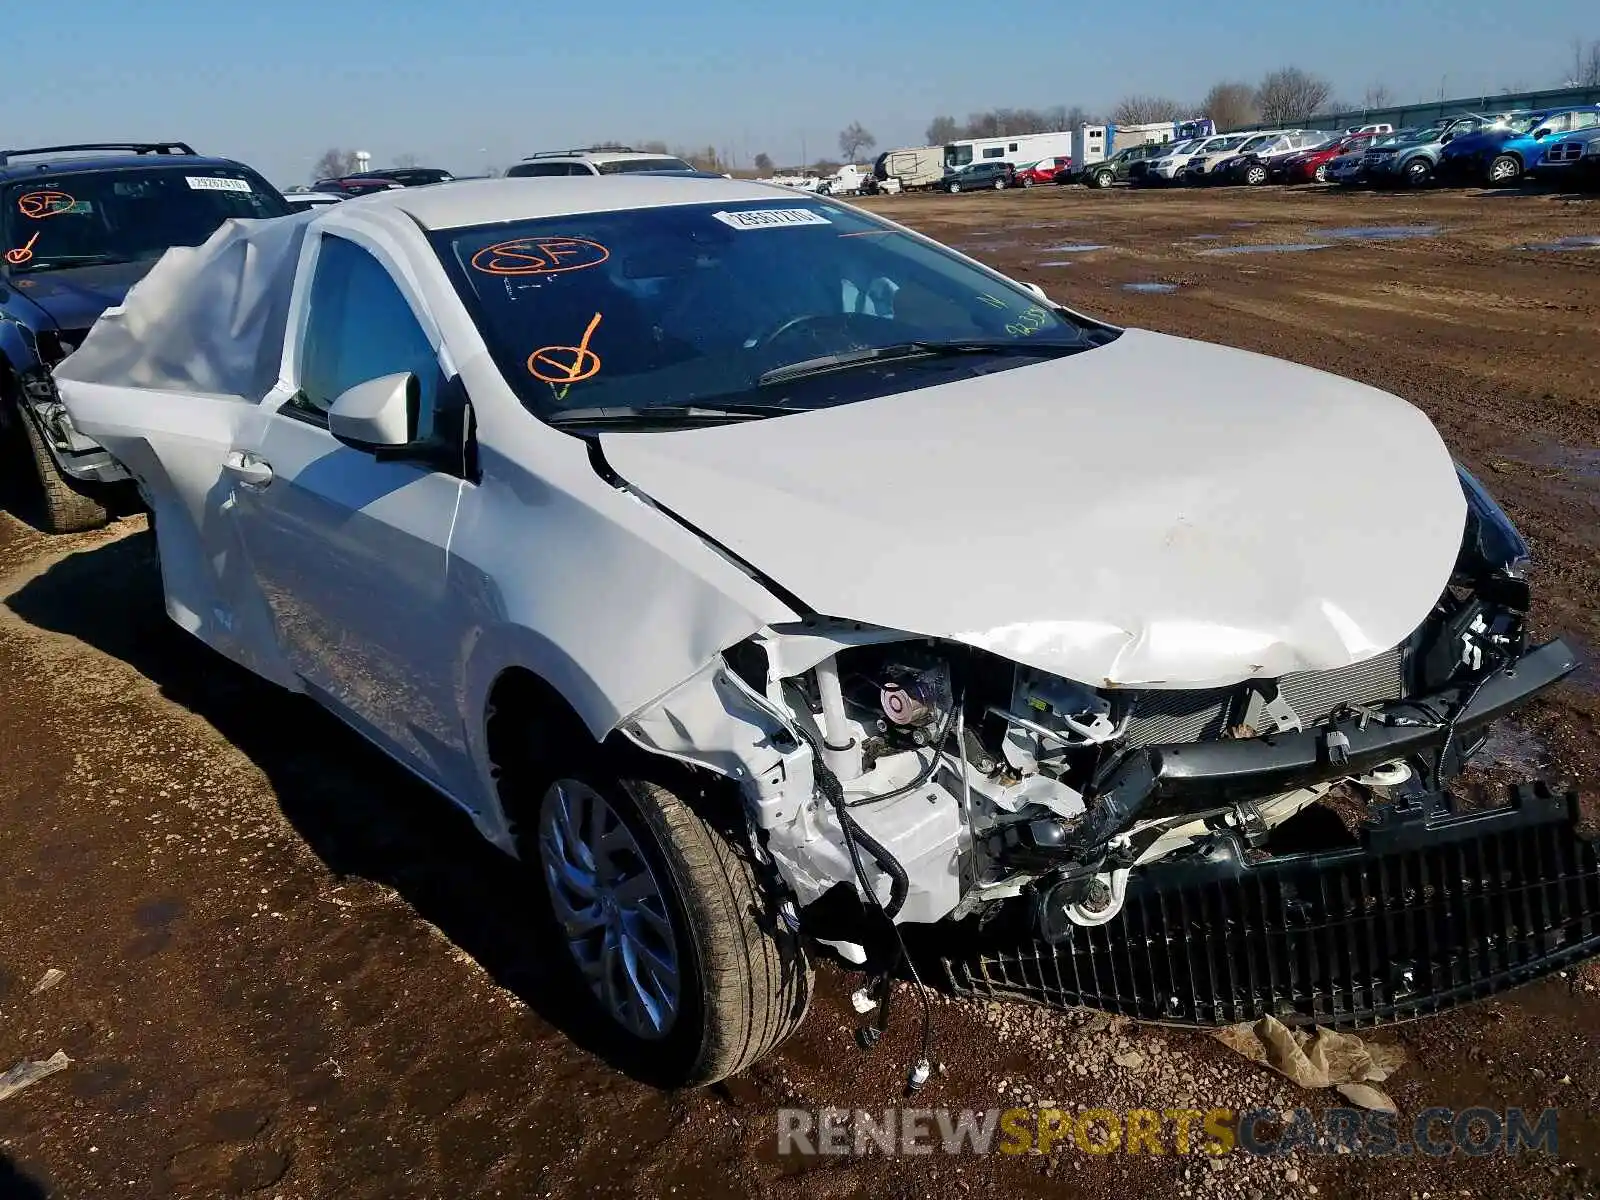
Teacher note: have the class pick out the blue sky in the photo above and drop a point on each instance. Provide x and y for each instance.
(472, 82)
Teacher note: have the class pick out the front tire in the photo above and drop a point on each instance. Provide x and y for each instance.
(1321, 174)
(666, 925)
(954, 189)
(1102, 179)
(1417, 173)
(63, 508)
(1506, 168)
(1255, 176)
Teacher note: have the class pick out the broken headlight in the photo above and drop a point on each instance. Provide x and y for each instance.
(1490, 543)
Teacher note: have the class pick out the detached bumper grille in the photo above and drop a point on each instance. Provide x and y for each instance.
(1161, 718)
(1446, 914)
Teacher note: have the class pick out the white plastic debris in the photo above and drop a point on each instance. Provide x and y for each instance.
(49, 980)
(29, 1071)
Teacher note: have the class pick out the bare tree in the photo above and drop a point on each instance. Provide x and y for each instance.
(763, 162)
(334, 164)
(1290, 94)
(1230, 104)
(1141, 110)
(1078, 115)
(407, 160)
(941, 130)
(1378, 96)
(1585, 63)
(651, 146)
(853, 139)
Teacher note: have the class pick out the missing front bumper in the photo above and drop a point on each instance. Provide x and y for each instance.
(1428, 913)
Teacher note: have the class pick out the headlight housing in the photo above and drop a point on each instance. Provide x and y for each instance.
(1490, 543)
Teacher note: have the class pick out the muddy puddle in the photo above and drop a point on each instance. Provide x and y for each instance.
(1584, 242)
(1379, 233)
(1075, 248)
(1268, 248)
(1151, 288)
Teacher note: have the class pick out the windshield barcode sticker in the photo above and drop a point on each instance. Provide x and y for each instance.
(770, 218)
(217, 183)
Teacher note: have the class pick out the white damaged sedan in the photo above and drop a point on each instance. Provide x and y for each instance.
(764, 574)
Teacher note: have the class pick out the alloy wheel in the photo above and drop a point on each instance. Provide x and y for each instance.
(611, 909)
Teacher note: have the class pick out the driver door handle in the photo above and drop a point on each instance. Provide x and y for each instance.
(251, 470)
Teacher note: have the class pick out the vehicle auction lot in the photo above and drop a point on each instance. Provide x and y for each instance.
(291, 971)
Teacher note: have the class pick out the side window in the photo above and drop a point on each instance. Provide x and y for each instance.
(994, 153)
(360, 327)
(1557, 124)
(1585, 120)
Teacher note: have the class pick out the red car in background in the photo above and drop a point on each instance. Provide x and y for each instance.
(1311, 166)
(355, 185)
(1043, 171)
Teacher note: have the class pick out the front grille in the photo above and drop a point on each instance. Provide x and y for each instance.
(1566, 153)
(1347, 939)
(1162, 717)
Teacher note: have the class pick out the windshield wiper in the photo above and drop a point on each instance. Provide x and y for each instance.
(669, 414)
(44, 262)
(919, 349)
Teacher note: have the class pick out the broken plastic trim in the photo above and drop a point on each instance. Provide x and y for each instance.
(1239, 769)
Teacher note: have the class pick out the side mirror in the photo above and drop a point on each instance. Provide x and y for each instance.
(1037, 291)
(380, 414)
(1540, 134)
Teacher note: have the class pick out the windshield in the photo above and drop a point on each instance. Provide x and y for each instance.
(125, 215)
(735, 303)
(1179, 148)
(634, 166)
(957, 155)
(1526, 123)
(1227, 143)
(1256, 142)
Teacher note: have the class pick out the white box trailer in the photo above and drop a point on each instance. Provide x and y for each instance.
(1096, 143)
(1018, 149)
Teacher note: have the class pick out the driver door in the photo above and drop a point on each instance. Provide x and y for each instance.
(350, 550)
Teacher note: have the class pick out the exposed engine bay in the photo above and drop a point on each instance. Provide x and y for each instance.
(939, 781)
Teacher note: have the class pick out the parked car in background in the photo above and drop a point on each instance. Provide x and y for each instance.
(1350, 169)
(584, 602)
(1574, 160)
(598, 161)
(1311, 166)
(1116, 168)
(1370, 129)
(1200, 168)
(354, 185)
(1046, 170)
(407, 176)
(301, 199)
(1166, 167)
(993, 175)
(1254, 167)
(82, 224)
(1411, 161)
(1504, 152)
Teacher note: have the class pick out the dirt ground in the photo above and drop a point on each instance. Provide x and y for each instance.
(291, 972)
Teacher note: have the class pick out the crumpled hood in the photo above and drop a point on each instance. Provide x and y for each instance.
(1157, 511)
(75, 297)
